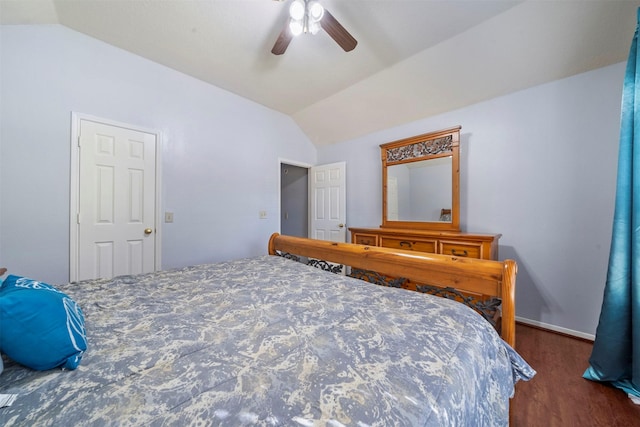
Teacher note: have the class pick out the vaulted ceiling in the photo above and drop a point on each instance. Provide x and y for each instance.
(413, 59)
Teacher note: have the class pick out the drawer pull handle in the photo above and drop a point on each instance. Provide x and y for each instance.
(405, 244)
(456, 253)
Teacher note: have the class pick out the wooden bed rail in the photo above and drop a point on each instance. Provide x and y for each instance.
(496, 278)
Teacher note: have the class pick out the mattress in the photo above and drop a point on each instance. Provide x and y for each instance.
(268, 341)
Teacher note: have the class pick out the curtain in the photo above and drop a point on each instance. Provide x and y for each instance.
(615, 357)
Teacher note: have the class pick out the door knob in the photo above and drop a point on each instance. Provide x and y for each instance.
(148, 231)
(340, 225)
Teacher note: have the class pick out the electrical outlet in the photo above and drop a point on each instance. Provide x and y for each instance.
(168, 217)
(262, 214)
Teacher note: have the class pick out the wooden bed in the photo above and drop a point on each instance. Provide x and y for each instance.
(467, 275)
(268, 341)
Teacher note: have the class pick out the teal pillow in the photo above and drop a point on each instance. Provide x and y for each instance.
(40, 327)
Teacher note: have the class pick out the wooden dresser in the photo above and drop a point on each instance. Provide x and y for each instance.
(472, 245)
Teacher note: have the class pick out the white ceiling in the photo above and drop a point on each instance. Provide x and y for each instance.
(414, 58)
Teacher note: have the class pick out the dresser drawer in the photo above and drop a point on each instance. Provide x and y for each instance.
(471, 245)
(409, 244)
(466, 249)
(365, 239)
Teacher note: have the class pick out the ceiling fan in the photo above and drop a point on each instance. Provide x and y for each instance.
(308, 16)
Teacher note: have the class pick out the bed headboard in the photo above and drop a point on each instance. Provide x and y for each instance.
(496, 278)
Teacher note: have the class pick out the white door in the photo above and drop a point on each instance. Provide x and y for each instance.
(328, 211)
(116, 200)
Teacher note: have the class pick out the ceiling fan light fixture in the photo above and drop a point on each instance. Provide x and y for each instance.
(297, 10)
(314, 27)
(308, 16)
(296, 27)
(316, 11)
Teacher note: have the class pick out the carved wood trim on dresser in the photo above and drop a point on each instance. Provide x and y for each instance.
(461, 244)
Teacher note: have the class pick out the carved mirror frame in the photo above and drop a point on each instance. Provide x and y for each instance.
(428, 146)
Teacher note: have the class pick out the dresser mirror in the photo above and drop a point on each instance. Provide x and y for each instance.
(420, 181)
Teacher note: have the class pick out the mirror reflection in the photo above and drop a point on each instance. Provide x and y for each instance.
(420, 191)
(421, 181)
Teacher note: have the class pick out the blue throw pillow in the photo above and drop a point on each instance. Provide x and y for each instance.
(40, 327)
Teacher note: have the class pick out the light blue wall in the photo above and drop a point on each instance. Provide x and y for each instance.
(538, 166)
(220, 152)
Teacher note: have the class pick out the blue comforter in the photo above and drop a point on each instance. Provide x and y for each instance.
(269, 342)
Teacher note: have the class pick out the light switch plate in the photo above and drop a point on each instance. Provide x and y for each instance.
(168, 217)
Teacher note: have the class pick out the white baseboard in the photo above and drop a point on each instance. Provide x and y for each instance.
(556, 328)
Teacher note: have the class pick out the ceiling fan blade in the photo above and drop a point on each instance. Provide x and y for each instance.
(282, 42)
(337, 32)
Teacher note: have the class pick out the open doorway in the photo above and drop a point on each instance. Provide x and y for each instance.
(294, 200)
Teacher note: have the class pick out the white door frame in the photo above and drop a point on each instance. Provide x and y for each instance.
(342, 205)
(75, 188)
(308, 166)
(293, 163)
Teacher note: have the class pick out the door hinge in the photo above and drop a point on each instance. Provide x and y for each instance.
(78, 218)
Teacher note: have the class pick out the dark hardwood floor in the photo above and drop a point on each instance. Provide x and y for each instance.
(558, 395)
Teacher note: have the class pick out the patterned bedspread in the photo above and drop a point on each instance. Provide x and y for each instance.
(269, 342)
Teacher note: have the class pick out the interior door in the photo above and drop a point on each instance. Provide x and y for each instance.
(328, 213)
(116, 199)
(294, 200)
